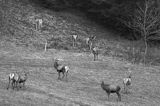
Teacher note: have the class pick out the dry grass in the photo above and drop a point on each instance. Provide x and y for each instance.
(83, 86)
(58, 28)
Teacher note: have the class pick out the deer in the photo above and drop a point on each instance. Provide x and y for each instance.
(61, 69)
(74, 40)
(111, 88)
(23, 78)
(16, 79)
(13, 78)
(95, 53)
(39, 23)
(127, 81)
(89, 41)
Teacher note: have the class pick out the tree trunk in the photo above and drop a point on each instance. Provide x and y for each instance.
(45, 48)
(146, 49)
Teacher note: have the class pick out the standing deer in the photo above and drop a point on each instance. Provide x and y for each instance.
(16, 79)
(39, 23)
(23, 78)
(74, 39)
(13, 78)
(89, 41)
(95, 53)
(111, 88)
(61, 69)
(127, 81)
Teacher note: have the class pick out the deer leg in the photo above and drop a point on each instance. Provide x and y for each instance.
(97, 56)
(8, 84)
(73, 43)
(16, 85)
(90, 47)
(63, 75)
(108, 95)
(94, 57)
(23, 84)
(66, 75)
(124, 87)
(13, 84)
(119, 96)
(40, 25)
(59, 75)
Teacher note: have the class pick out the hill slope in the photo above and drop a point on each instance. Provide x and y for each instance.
(57, 28)
(18, 53)
(83, 85)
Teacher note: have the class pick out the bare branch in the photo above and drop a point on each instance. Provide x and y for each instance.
(152, 24)
(140, 9)
(154, 32)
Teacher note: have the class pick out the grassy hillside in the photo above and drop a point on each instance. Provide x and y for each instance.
(57, 29)
(22, 49)
(18, 27)
(83, 85)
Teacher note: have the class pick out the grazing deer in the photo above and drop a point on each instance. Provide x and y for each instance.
(74, 37)
(111, 89)
(23, 78)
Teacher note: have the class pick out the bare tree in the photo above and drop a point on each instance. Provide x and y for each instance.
(45, 46)
(145, 21)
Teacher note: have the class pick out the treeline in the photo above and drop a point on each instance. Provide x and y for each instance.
(114, 14)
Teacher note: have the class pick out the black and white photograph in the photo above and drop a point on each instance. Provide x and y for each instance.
(79, 52)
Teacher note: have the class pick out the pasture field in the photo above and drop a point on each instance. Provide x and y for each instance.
(83, 85)
(22, 49)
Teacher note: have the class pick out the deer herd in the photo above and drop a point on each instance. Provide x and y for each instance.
(89, 40)
(90, 44)
(17, 80)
